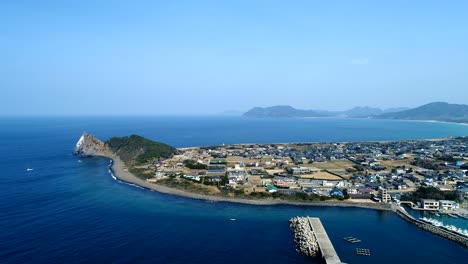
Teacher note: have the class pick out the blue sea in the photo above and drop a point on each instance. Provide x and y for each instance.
(70, 210)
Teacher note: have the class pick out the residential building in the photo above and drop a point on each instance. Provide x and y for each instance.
(447, 205)
(429, 204)
(384, 196)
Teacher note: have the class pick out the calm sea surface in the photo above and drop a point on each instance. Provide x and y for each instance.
(66, 211)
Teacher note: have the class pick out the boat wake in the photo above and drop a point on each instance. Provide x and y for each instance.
(449, 227)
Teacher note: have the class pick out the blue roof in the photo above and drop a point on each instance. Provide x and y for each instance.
(215, 171)
(271, 187)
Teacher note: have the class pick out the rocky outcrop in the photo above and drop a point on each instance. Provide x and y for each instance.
(304, 236)
(89, 145)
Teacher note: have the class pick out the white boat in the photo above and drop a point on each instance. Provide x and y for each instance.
(29, 169)
(232, 219)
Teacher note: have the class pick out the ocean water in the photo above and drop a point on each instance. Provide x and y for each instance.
(67, 211)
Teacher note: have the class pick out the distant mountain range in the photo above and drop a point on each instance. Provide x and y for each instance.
(437, 111)
(282, 111)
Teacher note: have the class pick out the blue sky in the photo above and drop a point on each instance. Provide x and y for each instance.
(205, 57)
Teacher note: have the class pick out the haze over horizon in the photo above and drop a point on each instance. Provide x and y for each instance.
(207, 57)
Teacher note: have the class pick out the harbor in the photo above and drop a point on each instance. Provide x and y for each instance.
(312, 239)
(428, 225)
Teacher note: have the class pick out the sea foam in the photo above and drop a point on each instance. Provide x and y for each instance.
(449, 227)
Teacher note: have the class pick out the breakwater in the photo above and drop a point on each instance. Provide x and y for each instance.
(443, 232)
(304, 236)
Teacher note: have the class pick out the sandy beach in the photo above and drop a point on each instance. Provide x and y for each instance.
(121, 172)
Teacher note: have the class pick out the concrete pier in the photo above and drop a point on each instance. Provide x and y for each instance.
(311, 237)
(326, 247)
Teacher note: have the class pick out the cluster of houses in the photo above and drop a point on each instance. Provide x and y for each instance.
(290, 168)
(440, 205)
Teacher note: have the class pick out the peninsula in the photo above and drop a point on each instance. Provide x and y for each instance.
(365, 174)
(427, 175)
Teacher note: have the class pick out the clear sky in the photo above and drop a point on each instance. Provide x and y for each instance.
(205, 57)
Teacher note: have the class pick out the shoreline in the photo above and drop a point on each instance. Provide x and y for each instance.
(120, 171)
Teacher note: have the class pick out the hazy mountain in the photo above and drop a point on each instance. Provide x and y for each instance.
(289, 111)
(438, 111)
(284, 111)
(433, 111)
(360, 111)
(395, 109)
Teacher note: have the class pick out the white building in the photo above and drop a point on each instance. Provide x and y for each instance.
(429, 204)
(328, 184)
(447, 205)
(384, 196)
(300, 170)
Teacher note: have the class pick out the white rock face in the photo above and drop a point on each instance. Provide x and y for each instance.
(89, 145)
(80, 142)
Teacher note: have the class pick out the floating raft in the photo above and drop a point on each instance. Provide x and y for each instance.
(363, 251)
(352, 239)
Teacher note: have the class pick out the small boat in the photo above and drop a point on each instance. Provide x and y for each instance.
(29, 169)
(79, 160)
(232, 219)
(437, 214)
(452, 215)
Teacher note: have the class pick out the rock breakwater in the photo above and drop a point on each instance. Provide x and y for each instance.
(443, 232)
(304, 236)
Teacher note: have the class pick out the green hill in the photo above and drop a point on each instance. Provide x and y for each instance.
(137, 149)
(438, 111)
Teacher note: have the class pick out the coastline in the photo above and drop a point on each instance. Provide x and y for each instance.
(120, 171)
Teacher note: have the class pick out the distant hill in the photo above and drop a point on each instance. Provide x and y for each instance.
(139, 149)
(437, 111)
(395, 109)
(282, 111)
(365, 111)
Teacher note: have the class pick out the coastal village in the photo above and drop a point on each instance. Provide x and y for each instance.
(426, 175)
(379, 172)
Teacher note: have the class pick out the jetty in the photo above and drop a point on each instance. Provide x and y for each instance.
(440, 231)
(312, 239)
